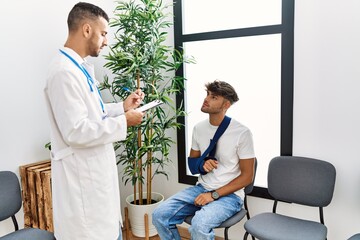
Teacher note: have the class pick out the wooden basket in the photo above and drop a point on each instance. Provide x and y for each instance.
(36, 193)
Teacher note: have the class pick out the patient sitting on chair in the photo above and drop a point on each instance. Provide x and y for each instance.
(225, 167)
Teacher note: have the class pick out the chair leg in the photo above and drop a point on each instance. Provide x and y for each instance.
(246, 236)
(16, 226)
(226, 233)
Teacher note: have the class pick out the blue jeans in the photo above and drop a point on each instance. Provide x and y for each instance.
(174, 210)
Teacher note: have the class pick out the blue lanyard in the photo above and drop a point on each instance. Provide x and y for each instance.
(90, 81)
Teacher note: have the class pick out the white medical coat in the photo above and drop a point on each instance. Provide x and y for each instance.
(85, 191)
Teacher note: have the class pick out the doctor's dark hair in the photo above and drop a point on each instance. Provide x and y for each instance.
(82, 11)
(220, 88)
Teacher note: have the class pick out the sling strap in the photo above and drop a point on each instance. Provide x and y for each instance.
(196, 165)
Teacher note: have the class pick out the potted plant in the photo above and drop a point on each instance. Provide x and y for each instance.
(139, 58)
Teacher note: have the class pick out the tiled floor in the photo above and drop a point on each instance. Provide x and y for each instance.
(183, 232)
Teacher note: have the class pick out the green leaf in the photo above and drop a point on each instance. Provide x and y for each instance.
(140, 51)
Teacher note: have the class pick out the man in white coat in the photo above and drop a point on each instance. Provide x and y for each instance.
(85, 191)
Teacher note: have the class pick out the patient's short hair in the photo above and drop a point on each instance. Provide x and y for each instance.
(223, 89)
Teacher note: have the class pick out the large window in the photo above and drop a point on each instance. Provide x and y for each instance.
(250, 45)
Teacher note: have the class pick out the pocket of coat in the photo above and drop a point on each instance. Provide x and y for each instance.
(94, 178)
(86, 184)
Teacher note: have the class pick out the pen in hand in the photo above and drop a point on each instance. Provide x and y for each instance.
(137, 99)
(129, 91)
(126, 89)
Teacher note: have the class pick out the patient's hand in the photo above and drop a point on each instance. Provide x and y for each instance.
(210, 165)
(203, 199)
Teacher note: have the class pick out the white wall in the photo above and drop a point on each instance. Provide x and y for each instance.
(31, 33)
(326, 114)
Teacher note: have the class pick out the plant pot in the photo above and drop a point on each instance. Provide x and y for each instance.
(137, 213)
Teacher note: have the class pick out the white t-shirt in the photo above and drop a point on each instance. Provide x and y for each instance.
(236, 143)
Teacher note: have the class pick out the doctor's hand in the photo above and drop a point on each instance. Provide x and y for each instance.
(133, 117)
(133, 100)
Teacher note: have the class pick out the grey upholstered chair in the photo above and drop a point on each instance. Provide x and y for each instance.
(355, 237)
(239, 215)
(10, 204)
(300, 180)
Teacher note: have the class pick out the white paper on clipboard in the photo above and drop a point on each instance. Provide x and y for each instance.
(149, 105)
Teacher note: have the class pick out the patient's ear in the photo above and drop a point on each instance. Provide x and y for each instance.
(227, 104)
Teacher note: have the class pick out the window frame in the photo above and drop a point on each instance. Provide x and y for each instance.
(286, 29)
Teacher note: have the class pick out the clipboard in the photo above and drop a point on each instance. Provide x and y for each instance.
(149, 105)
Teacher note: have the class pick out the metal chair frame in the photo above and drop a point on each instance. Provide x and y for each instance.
(10, 204)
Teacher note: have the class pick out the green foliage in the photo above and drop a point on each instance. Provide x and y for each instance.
(48, 146)
(140, 58)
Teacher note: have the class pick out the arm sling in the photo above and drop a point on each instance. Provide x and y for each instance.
(196, 165)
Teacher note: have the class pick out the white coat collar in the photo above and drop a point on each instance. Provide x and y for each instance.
(74, 55)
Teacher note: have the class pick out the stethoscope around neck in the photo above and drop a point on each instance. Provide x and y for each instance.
(90, 81)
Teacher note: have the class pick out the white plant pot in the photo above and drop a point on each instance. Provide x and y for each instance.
(137, 213)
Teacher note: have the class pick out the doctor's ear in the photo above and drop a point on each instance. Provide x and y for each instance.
(86, 29)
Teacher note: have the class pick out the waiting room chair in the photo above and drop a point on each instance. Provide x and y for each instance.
(355, 237)
(239, 215)
(10, 204)
(299, 180)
